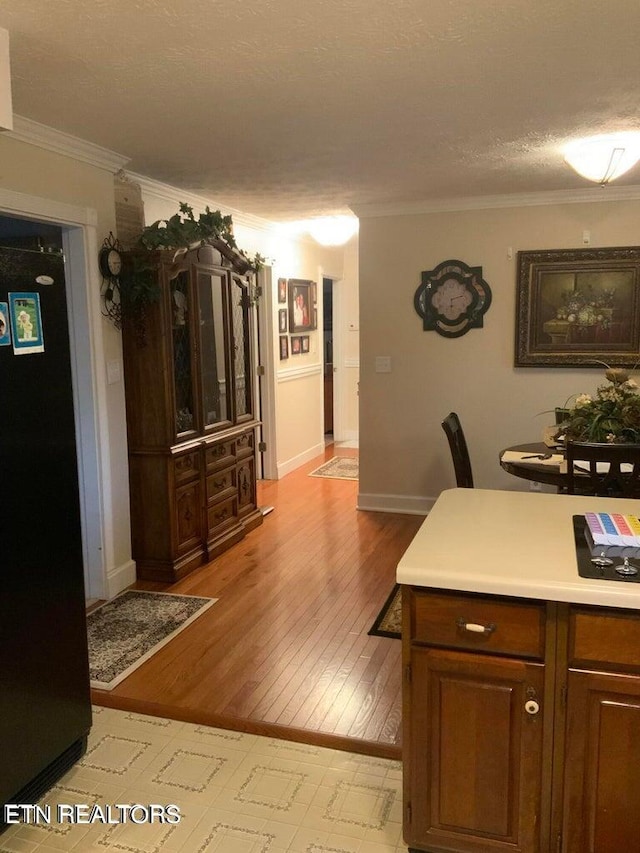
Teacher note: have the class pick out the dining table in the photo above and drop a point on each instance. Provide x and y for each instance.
(537, 462)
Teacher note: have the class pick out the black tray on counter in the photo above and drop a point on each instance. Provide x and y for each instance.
(587, 569)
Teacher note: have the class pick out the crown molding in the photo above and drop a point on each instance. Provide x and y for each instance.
(34, 133)
(170, 193)
(553, 197)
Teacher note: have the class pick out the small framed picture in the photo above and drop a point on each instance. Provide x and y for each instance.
(296, 346)
(282, 290)
(301, 312)
(305, 343)
(284, 347)
(26, 323)
(282, 320)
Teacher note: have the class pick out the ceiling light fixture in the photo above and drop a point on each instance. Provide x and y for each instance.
(333, 230)
(604, 158)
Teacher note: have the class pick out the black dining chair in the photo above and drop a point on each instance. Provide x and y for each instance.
(603, 470)
(459, 452)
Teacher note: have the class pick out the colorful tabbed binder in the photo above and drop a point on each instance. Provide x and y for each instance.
(613, 530)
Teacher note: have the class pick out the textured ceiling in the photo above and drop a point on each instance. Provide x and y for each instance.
(292, 108)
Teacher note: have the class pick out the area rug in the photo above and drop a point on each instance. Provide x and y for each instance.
(338, 468)
(389, 621)
(129, 629)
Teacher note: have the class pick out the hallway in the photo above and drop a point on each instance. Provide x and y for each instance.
(285, 650)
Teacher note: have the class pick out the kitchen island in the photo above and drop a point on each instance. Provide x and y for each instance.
(521, 704)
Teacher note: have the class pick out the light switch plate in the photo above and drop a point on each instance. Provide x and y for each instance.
(114, 374)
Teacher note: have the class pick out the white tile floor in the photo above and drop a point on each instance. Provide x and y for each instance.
(237, 793)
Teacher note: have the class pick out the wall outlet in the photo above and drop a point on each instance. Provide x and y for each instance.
(535, 487)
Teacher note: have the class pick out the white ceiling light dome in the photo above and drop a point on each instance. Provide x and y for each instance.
(605, 157)
(333, 230)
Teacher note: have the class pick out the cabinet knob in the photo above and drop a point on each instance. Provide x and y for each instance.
(475, 628)
(531, 707)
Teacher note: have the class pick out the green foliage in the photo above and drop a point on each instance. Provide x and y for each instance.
(183, 230)
(139, 285)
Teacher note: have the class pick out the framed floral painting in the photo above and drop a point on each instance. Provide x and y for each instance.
(578, 307)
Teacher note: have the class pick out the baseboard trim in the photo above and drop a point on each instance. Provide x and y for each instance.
(296, 461)
(120, 578)
(403, 504)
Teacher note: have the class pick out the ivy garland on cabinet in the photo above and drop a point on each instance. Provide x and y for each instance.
(130, 281)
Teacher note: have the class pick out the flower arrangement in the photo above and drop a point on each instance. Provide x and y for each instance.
(611, 416)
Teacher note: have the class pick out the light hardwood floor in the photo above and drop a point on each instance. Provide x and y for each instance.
(285, 651)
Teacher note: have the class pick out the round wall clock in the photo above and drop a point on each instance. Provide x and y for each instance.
(110, 262)
(452, 299)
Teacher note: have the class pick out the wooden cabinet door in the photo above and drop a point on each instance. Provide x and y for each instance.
(473, 755)
(246, 486)
(602, 767)
(188, 517)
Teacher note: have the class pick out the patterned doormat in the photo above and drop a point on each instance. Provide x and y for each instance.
(129, 629)
(338, 468)
(389, 621)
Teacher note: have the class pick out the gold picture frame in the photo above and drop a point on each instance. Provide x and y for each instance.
(578, 307)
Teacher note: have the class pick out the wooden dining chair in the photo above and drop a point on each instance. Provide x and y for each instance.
(459, 452)
(588, 475)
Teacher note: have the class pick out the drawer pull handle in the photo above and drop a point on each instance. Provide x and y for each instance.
(475, 628)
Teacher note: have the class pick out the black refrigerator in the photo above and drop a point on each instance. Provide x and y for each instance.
(45, 710)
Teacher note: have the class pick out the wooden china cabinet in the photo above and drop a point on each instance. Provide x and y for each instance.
(191, 423)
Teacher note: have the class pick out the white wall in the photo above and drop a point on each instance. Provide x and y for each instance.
(348, 334)
(404, 456)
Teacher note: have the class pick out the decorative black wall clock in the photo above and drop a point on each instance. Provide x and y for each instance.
(452, 299)
(110, 263)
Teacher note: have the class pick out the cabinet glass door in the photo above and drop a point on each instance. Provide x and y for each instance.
(216, 385)
(182, 362)
(240, 320)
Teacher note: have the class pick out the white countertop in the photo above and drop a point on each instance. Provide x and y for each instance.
(511, 543)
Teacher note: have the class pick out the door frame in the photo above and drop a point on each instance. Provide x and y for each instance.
(79, 239)
(267, 460)
(338, 348)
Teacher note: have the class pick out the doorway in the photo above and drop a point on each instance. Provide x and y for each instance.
(327, 357)
(74, 229)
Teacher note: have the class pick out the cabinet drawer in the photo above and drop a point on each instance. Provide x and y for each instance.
(222, 515)
(187, 467)
(245, 444)
(512, 628)
(608, 639)
(221, 483)
(220, 455)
